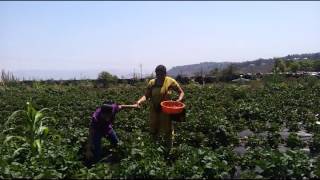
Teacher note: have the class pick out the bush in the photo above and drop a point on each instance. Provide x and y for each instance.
(7, 78)
(105, 78)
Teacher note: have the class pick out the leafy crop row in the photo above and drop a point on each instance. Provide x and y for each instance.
(49, 143)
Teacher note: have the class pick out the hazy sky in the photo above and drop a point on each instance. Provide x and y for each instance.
(118, 36)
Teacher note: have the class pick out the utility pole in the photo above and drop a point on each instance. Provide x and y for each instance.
(134, 74)
(140, 71)
(202, 75)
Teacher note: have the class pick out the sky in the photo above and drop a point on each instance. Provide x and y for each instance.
(63, 39)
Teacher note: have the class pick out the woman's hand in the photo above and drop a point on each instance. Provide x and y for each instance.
(179, 100)
(137, 104)
(141, 100)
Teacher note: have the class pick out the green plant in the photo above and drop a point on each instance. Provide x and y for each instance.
(294, 141)
(315, 145)
(273, 139)
(204, 145)
(27, 126)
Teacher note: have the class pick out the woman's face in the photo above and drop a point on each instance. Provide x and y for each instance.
(160, 75)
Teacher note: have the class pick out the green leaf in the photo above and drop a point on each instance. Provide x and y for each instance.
(208, 165)
(43, 109)
(48, 118)
(17, 151)
(7, 130)
(37, 145)
(160, 149)
(10, 138)
(152, 172)
(57, 139)
(31, 112)
(42, 131)
(38, 117)
(12, 118)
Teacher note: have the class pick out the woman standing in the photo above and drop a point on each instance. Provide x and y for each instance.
(158, 90)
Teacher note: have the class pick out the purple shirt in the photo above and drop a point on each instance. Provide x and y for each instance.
(104, 127)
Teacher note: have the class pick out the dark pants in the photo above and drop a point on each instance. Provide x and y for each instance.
(112, 137)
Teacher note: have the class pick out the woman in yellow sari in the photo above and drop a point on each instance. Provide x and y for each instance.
(158, 90)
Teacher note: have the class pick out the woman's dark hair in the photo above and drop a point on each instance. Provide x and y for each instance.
(106, 107)
(161, 69)
(110, 102)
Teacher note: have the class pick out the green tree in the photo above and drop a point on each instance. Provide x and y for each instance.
(230, 70)
(294, 66)
(228, 73)
(214, 72)
(279, 66)
(106, 78)
(306, 65)
(316, 65)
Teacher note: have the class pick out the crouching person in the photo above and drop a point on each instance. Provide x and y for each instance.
(101, 126)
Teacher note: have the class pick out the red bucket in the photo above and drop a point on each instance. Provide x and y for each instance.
(172, 107)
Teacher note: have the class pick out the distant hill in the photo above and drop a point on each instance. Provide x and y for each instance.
(255, 66)
(190, 70)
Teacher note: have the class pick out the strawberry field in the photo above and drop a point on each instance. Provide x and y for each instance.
(263, 129)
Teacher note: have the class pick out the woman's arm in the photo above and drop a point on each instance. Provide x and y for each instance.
(147, 93)
(128, 106)
(181, 94)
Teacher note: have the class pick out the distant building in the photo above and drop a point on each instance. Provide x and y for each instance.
(241, 80)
